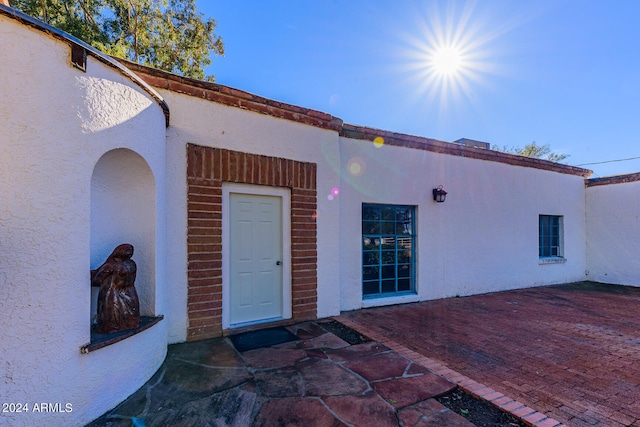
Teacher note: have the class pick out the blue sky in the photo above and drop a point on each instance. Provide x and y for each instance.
(561, 72)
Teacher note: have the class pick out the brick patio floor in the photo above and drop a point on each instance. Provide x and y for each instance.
(571, 352)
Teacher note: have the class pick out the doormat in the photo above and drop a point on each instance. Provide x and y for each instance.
(263, 338)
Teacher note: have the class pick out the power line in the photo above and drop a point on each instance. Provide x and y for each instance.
(609, 161)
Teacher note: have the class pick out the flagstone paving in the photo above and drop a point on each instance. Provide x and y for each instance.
(318, 380)
(571, 352)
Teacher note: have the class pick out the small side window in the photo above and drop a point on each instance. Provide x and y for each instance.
(551, 236)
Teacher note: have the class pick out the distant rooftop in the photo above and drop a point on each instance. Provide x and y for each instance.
(473, 143)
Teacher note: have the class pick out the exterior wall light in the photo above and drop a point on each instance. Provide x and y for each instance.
(439, 194)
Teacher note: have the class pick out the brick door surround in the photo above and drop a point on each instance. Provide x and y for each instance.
(207, 169)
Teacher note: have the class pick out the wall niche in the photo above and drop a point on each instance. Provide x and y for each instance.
(123, 210)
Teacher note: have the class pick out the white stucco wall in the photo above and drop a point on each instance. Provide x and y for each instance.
(56, 122)
(613, 238)
(209, 124)
(483, 238)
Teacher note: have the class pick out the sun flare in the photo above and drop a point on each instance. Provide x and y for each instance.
(447, 61)
(449, 54)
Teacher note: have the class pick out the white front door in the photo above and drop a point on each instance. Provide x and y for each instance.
(255, 260)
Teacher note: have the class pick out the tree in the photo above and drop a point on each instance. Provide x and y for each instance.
(536, 151)
(167, 34)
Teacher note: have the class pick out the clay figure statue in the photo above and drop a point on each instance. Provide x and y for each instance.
(118, 304)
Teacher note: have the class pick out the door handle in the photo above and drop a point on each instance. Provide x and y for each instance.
(278, 262)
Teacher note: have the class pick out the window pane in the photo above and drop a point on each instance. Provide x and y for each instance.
(388, 242)
(389, 272)
(370, 213)
(404, 270)
(388, 286)
(388, 214)
(388, 228)
(402, 228)
(404, 224)
(404, 214)
(370, 258)
(369, 227)
(388, 257)
(369, 243)
(404, 256)
(405, 242)
(404, 285)
(370, 273)
(369, 288)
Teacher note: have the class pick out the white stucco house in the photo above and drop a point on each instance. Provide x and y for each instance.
(244, 213)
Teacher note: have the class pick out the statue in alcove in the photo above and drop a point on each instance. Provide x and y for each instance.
(118, 304)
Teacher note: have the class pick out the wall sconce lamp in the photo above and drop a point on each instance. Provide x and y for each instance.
(439, 194)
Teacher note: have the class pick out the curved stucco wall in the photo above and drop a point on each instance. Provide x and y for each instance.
(209, 124)
(56, 123)
(613, 239)
(483, 238)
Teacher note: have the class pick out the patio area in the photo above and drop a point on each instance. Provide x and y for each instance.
(313, 379)
(571, 352)
(566, 354)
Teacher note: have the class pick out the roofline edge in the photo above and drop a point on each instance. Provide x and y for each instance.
(444, 147)
(614, 179)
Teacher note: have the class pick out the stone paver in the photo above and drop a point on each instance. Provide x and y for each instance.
(295, 412)
(402, 392)
(368, 409)
(569, 352)
(431, 413)
(325, 378)
(356, 351)
(283, 382)
(380, 366)
(270, 357)
(231, 408)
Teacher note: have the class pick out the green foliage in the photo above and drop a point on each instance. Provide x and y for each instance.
(534, 150)
(167, 34)
(79, 18)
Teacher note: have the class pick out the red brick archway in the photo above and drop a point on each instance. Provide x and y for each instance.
(207, 169)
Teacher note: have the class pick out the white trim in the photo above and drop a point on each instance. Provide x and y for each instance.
(379, 302)
(258, 190)
(552, 260)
